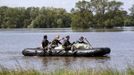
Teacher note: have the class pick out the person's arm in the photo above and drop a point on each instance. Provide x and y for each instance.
(48, 42)
(62, 39)
(85, 41)
(59, 41)
(64, 43)
(42, 44)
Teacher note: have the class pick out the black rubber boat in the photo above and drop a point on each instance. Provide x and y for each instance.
(56, 52)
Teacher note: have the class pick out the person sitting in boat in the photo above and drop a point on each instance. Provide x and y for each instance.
(66, 44)
(55, 42)
(45, 43)
(81, 40)
(81, 44)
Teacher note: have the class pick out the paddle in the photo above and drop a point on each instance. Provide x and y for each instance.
(88, 43)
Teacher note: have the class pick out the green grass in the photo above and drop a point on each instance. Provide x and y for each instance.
(101, 71)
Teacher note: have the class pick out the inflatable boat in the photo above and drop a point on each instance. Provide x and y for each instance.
(61, 52)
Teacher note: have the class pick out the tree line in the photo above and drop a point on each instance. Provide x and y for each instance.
(34, 17)
(85, 15)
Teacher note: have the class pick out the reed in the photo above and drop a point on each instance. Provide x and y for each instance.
(101, 71)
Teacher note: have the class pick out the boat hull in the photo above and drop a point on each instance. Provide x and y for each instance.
(83, 52)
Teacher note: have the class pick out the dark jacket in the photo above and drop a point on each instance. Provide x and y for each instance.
(45, 43)
(66, 43)
(55, 42)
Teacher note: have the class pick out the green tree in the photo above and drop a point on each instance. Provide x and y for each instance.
(99, 14)
(99, 6)
(106, 12)
(9, 18)
(117, 18)
(82, 16)
(86, 14)
(51, 18)
(132, 11)
(132, 15)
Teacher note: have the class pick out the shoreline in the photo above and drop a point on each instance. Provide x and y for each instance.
(115, 29)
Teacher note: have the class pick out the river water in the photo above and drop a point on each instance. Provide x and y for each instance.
(12, 42)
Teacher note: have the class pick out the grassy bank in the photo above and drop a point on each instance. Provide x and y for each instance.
(106, 71)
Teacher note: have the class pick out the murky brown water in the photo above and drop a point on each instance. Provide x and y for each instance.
(13, 42)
